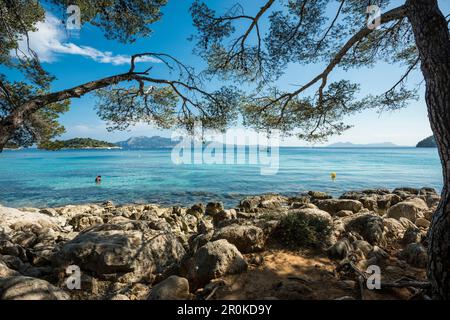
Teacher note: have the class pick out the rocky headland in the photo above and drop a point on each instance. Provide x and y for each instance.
(311, 246)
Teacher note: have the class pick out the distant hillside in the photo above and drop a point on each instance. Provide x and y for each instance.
(77, 143)
(370, 145)
(11, 146)
(429, 142)
(147, 143)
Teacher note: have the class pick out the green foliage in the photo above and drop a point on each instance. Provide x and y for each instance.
(280, 110)
(297, 231)
(11, 146)
(41, 125)
(76, 143)
(257, 45)
(249, 48)
(429, 142)
(18, 18)
(123, 20)
(122, 107)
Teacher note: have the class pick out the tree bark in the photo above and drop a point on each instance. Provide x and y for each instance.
(433, 42)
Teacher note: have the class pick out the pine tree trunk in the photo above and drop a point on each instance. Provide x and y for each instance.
(433, 42)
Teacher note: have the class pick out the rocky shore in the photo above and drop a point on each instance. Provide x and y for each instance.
(310, 246)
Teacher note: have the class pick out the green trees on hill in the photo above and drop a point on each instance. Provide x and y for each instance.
(76, 143)
(429, 142)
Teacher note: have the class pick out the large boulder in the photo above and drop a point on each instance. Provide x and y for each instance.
(386, 201)
(27, 288)
(115, 249)
(197, 209)
(213, 208)
(204, 225)
(5, 271)
(272, 201)
(319, 195)
(367, 225)
(415, 254)
(213, 260)
(267, 201)
(335, 205)
(249, 204)
(370, 202)
(16, 220)
(340, 249)
(172, 288)
(71, 211)
(406, 192)
(246, 238)
(422, 222)
(393, 228)
(410, 209)
(224, 215)
(84, 221)
(412, 235)
(312, 213)
(432, 200)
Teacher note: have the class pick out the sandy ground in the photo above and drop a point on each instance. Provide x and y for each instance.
(305, 275)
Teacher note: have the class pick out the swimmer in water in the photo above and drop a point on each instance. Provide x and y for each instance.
(98, 179)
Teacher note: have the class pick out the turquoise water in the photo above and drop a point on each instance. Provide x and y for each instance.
(41, 178)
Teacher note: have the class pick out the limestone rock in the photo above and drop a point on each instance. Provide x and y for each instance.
(27, 288)
(340, 249)
(335, 205)
(394, 229)
(246, 238)
(369, 226)
(214, 260)
(121, 248)
(344, 213)
(84, 221)
(13, 219)
(204, 226)
(410, 209)
(172, 288)
(319, 195)
(312, 213)
(224, 215)
(412, 235)
(5, 271)
(213, 208)
(415, 254)
(197, 209)
(422, 222)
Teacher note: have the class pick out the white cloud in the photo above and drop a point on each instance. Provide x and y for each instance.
(50, 40)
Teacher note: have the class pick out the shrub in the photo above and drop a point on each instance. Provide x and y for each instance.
(296, 230)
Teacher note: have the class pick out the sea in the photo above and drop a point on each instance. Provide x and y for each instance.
(36, 178)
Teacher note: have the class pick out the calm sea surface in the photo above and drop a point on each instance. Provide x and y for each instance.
(42, 178)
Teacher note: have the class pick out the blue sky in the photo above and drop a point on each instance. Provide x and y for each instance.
(75, 59)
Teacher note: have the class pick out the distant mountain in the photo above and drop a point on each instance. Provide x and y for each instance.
(370, 145)
(147, 143)
(429, 142)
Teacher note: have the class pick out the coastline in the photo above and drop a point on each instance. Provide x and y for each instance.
(147, 251)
